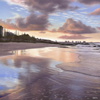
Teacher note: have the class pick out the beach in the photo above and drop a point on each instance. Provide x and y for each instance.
(49, 72)
(6, 47)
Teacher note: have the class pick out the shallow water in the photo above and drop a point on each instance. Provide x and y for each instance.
(51, 74)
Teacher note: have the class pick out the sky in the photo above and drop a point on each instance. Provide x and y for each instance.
(61, 20)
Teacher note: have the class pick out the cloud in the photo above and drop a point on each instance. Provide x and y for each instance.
(31, 22)
(44, 6)
(74, 36)
(95, 12)
(76, 27)
(89, 2)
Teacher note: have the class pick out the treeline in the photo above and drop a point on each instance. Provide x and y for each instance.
(17, 38)
(10, 37)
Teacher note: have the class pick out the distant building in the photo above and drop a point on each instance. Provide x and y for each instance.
(1, 31)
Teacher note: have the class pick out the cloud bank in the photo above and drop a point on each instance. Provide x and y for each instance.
(33, 21)
(30, 23)
(74, 36)
(76, 27)
(44, 6)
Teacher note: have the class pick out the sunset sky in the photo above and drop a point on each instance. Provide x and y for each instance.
(63, 20)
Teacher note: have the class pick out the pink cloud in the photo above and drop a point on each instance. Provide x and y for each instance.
(95, 12)
(76, 27)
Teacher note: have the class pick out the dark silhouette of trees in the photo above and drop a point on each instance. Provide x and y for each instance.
(11, 37)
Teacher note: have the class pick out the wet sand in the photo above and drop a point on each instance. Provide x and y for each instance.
(5, 47)
(50, 74)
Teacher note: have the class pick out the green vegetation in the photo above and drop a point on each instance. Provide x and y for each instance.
(10, 37)
(20, 38)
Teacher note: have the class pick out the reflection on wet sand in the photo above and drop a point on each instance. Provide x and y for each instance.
(31, 76)
(58, 54)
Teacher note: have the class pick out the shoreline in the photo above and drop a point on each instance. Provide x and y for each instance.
(10, 46)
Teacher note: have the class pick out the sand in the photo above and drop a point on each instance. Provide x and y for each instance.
(6, 47)
(47, 79)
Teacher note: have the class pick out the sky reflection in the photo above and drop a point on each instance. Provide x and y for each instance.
(49, 74)
(58, 54)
